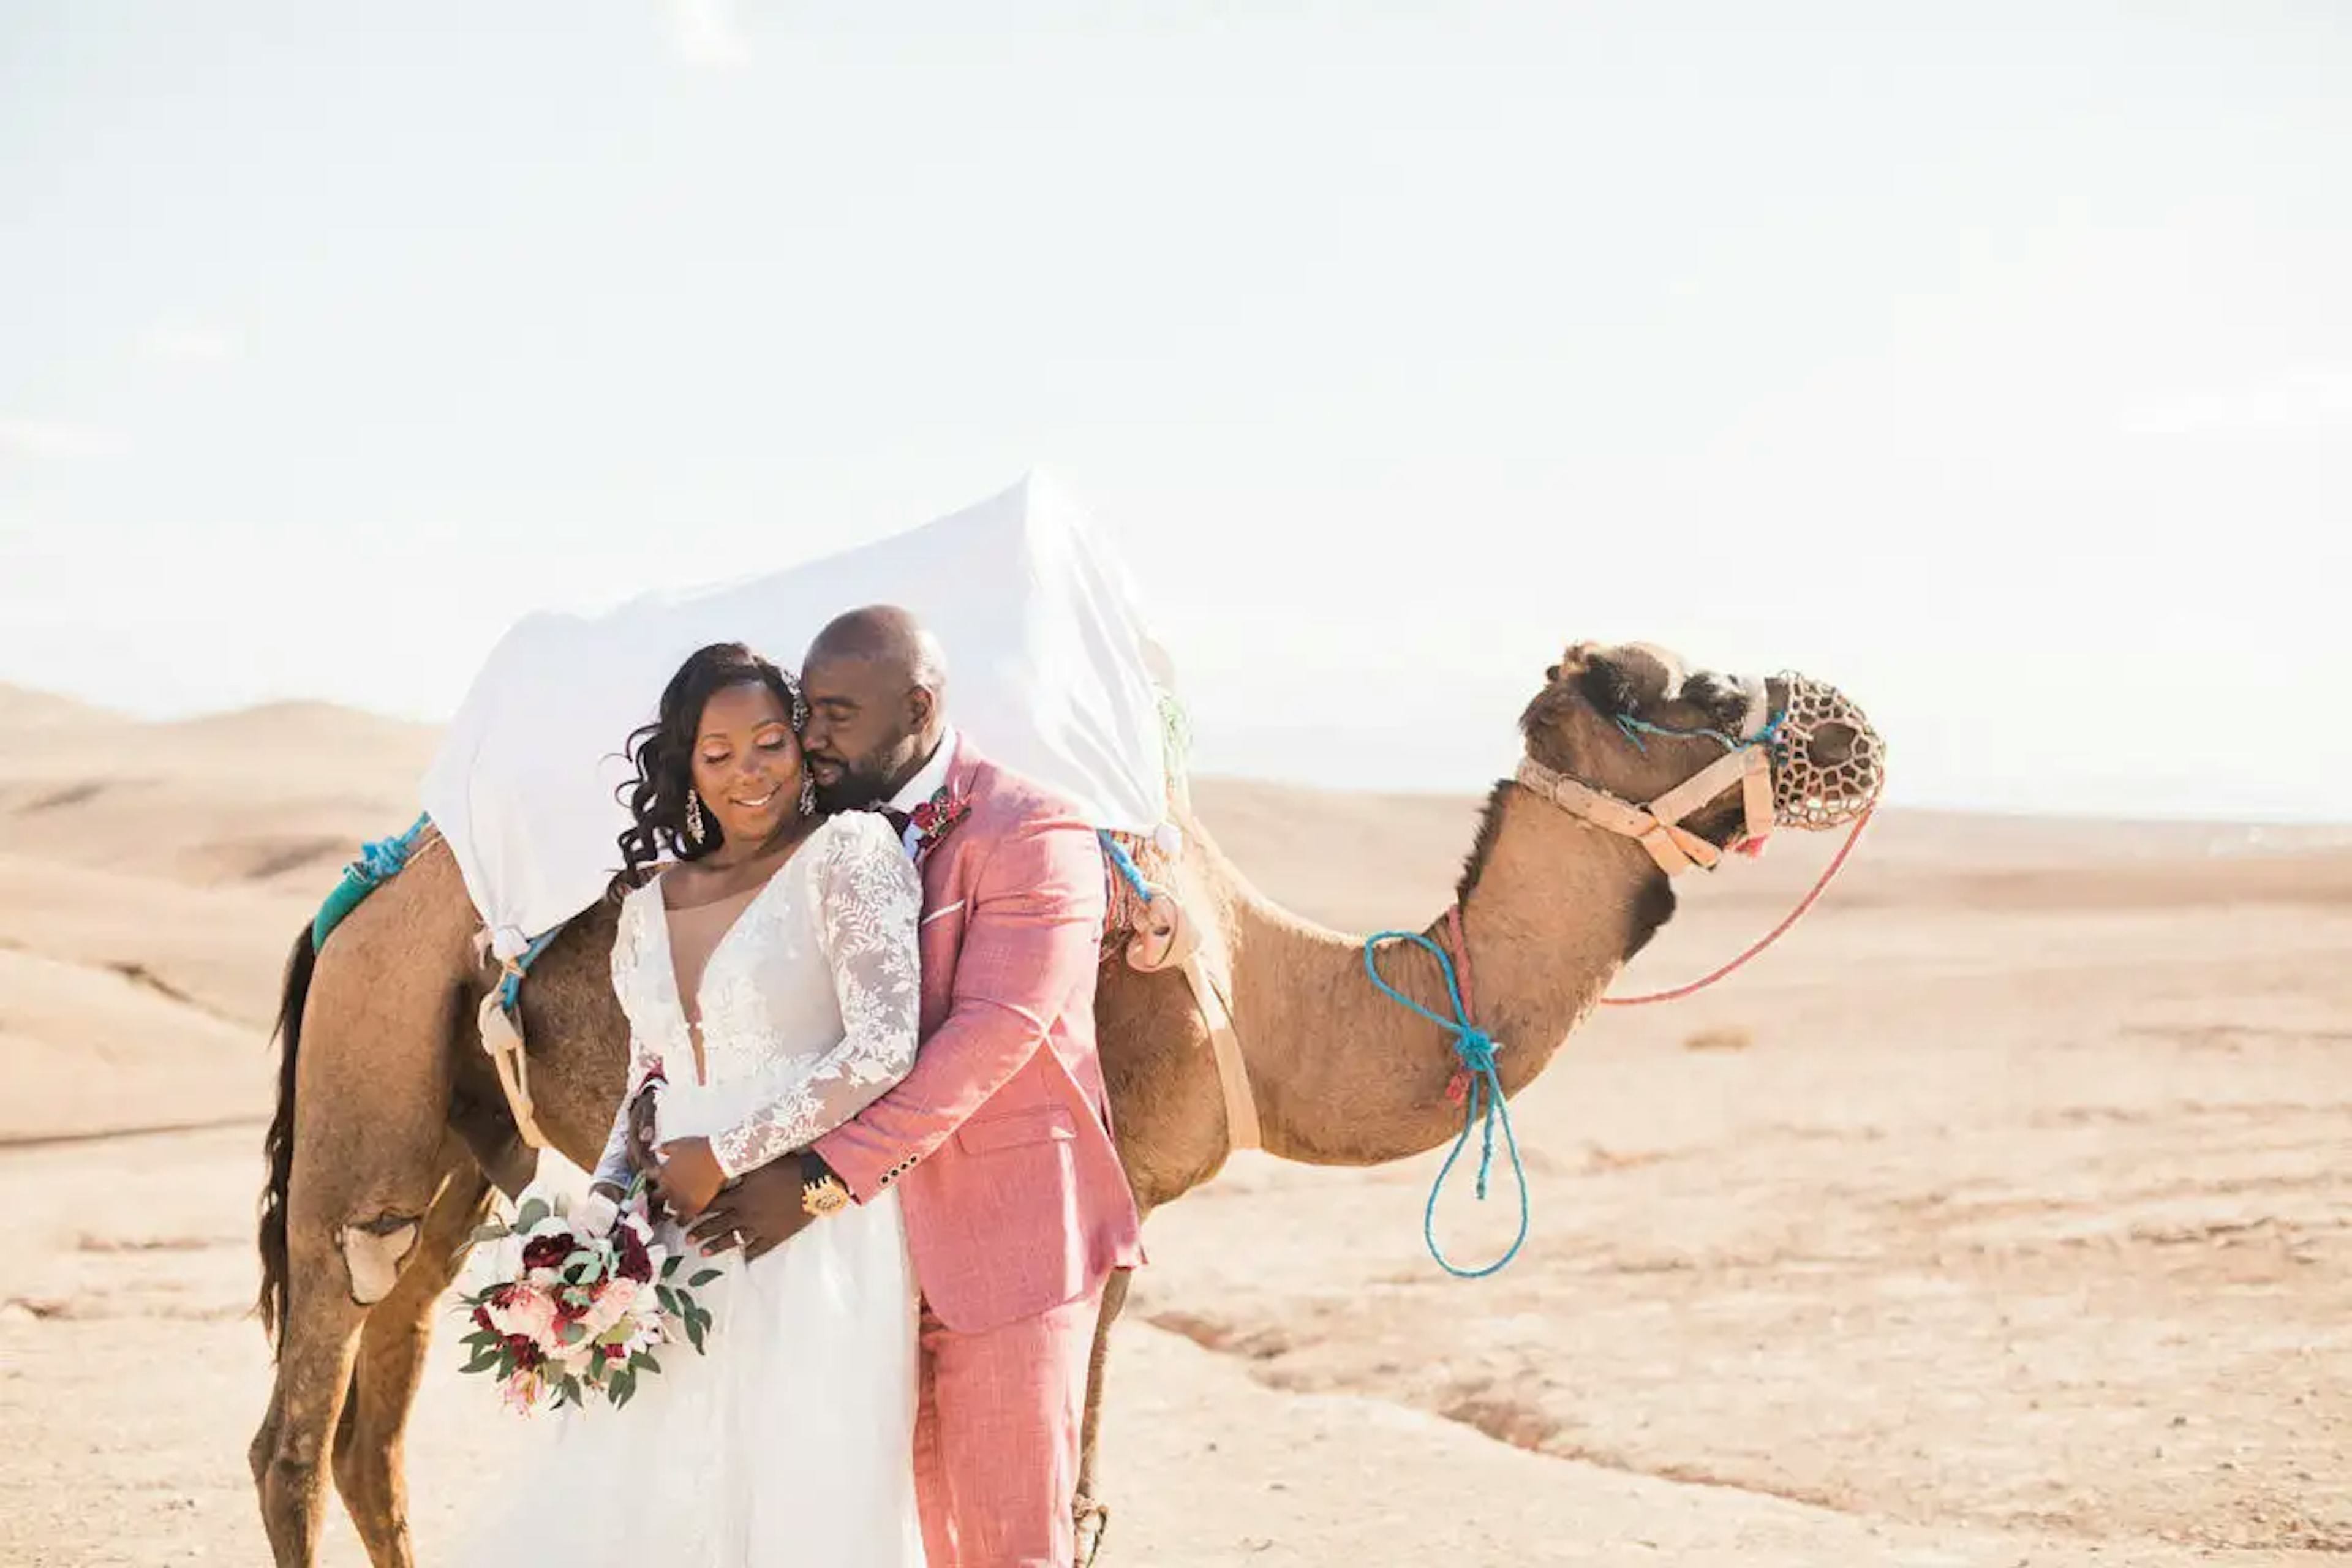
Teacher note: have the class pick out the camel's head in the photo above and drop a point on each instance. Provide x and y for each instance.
(1633, 721)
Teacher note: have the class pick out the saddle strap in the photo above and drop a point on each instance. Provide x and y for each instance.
(1225, 1047)
(503, 1040)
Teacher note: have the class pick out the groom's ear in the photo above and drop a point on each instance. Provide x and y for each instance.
(922, 706)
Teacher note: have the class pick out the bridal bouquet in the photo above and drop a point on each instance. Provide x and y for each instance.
(571, 1312)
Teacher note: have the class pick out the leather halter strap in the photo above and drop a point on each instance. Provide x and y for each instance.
(1658, 826)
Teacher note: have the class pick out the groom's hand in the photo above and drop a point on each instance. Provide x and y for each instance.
(759, 1211)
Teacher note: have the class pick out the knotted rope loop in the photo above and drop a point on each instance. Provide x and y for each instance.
(1483, 1106)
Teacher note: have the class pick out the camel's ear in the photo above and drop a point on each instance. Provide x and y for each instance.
(1551, 675)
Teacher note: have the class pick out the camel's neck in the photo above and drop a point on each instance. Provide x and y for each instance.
(1344, 1076)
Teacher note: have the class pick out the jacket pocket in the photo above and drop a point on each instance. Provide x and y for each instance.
(1012, 1130)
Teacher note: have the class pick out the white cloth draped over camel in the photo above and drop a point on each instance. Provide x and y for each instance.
(1048, 674)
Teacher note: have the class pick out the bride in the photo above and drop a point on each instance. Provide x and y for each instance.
(769, 979)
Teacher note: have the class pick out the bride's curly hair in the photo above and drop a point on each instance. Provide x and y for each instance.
(663, 755)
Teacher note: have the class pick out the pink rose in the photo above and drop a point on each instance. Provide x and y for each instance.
(612, 1304)
(521, 1313)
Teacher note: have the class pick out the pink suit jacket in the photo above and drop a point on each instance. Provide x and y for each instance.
(999, 1138)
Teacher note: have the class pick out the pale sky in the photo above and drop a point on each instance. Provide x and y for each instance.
(1993, 362)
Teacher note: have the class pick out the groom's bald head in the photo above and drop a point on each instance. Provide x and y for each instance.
(888, 637)
(876, 687)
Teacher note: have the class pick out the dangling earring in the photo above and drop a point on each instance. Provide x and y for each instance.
(693, 816)
(808, 796)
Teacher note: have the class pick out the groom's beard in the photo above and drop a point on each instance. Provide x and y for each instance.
(860, 787)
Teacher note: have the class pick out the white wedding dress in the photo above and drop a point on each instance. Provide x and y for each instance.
(792, 1442)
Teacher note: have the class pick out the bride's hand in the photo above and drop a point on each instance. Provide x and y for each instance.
(687, 1176)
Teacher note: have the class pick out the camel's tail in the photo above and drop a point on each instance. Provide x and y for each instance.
(278, 1148)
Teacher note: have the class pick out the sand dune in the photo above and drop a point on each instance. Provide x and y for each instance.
(1999, 1216)
(107, 1049)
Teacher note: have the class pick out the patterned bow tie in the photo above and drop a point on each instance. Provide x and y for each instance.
(897, 819)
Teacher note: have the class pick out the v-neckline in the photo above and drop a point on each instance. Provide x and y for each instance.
(710, 961)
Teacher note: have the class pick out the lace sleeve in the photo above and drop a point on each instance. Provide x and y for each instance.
(868, 902)
(645, 1064)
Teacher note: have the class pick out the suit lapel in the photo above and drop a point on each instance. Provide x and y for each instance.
(944, 896)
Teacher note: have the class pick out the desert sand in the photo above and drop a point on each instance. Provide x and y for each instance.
(2002, 1214)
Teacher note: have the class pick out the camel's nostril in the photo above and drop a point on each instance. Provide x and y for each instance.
(1832, 746)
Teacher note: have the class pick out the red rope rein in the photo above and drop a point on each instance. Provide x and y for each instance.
(1769, 937)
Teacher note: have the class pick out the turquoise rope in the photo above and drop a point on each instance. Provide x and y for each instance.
(511, 988)
(1483, 1106)
(1125, 863)
(1634, 729)
(380, 861)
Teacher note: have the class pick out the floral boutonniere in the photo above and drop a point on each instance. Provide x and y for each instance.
(934, 817)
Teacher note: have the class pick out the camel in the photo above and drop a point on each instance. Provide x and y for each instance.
(391, 1132)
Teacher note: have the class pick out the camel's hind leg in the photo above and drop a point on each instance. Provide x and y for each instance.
(1094, 1518)
(344, 1265)
(370, 1442)
(367, 1165)
(314, 1370)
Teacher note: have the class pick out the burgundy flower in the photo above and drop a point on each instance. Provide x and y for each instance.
(546, 1252)
(527, 1355)
(482, 1320)
(636, 1262)
(933, 817)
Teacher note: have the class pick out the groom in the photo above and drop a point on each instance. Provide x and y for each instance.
(1016, 1206)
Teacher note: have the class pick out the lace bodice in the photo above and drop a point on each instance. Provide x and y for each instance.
(809, 1002)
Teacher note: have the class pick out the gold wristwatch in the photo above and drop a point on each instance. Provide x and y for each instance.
(821, 1191)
